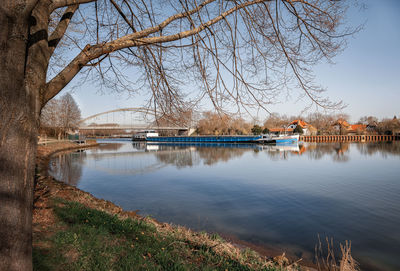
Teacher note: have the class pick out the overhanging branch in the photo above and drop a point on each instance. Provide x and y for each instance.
(62, 26)
(65, 3)
(133, 40)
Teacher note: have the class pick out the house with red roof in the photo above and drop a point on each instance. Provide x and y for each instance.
(343, 127)
(357, 129)
(308, 129)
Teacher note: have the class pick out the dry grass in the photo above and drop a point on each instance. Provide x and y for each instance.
(327, 261)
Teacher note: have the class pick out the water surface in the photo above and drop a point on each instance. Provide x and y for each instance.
(277, 198)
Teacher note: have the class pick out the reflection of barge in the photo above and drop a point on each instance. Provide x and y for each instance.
(243, 145)
(282, 148)
(213, 139)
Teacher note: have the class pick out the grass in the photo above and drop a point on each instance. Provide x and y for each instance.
(89, 239)
(326, 259)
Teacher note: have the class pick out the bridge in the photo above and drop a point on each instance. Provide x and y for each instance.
(133, 119)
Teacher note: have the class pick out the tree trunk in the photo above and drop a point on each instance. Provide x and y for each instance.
(18, 139)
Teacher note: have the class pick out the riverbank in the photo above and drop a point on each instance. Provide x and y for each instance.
(72, 230)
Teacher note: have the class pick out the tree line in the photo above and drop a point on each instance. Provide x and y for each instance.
(216, 124)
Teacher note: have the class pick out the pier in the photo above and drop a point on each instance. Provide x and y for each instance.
(349, 138)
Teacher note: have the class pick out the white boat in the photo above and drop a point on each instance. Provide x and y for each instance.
(279, 139)
(143, 135)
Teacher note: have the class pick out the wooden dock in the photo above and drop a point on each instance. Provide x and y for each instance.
(349, 138)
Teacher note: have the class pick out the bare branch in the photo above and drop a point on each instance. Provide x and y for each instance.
(62, 26)
(132, 40)
(241, 39)
(65, 3)
(123, 15)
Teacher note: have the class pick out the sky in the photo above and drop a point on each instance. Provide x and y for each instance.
(366, 75)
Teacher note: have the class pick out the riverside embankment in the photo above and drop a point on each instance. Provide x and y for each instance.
(72, 230)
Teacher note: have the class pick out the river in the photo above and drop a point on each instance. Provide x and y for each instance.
(275, 198)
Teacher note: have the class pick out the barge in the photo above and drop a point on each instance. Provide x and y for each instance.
(202, 139)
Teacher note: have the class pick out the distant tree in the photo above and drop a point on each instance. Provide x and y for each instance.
(298, 130)
(324, 123)
(368, 120)
(276, 120)
(70, 114)
(265, 131)
(214, 124)
(222, 124)
(388, 126)
(257, 129)
(61, 115)
(343, 116)
(240, 127)
(49, 121)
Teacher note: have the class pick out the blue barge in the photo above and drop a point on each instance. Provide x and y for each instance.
(215, 139)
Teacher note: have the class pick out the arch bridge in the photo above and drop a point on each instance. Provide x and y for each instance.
(133, 119)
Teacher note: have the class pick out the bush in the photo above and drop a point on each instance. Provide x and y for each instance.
(256, 130)
(265, 131)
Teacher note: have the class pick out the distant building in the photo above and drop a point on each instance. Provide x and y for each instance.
(308, 129)
(357, 129)
(343, 127)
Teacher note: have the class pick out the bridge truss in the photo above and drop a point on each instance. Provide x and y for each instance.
(130, 119)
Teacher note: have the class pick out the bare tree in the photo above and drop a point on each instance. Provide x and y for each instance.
(322, 122)
(368, 120)
(70, 114)
(61, 115)
(276, 120)
(49, 121)
(214, 124)
(388, 126)
(263, 46)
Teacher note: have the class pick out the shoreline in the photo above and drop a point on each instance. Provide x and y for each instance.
(48, 188)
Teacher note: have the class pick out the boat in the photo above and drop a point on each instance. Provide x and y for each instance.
(278, 139)
(206, 138)
(144, 135)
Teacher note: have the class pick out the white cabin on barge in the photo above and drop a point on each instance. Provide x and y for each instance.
(143, 135)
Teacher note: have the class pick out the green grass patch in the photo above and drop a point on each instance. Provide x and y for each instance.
(88, 239)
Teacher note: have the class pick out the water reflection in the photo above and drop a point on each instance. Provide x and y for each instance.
(108, 147)
(279, 196)
(338, 151)
(190, 154)
(68, 168)
(382, 148)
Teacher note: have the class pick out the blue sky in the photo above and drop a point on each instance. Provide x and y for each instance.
(366, 75)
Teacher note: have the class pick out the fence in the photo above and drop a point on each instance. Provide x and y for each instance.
(349, 138)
